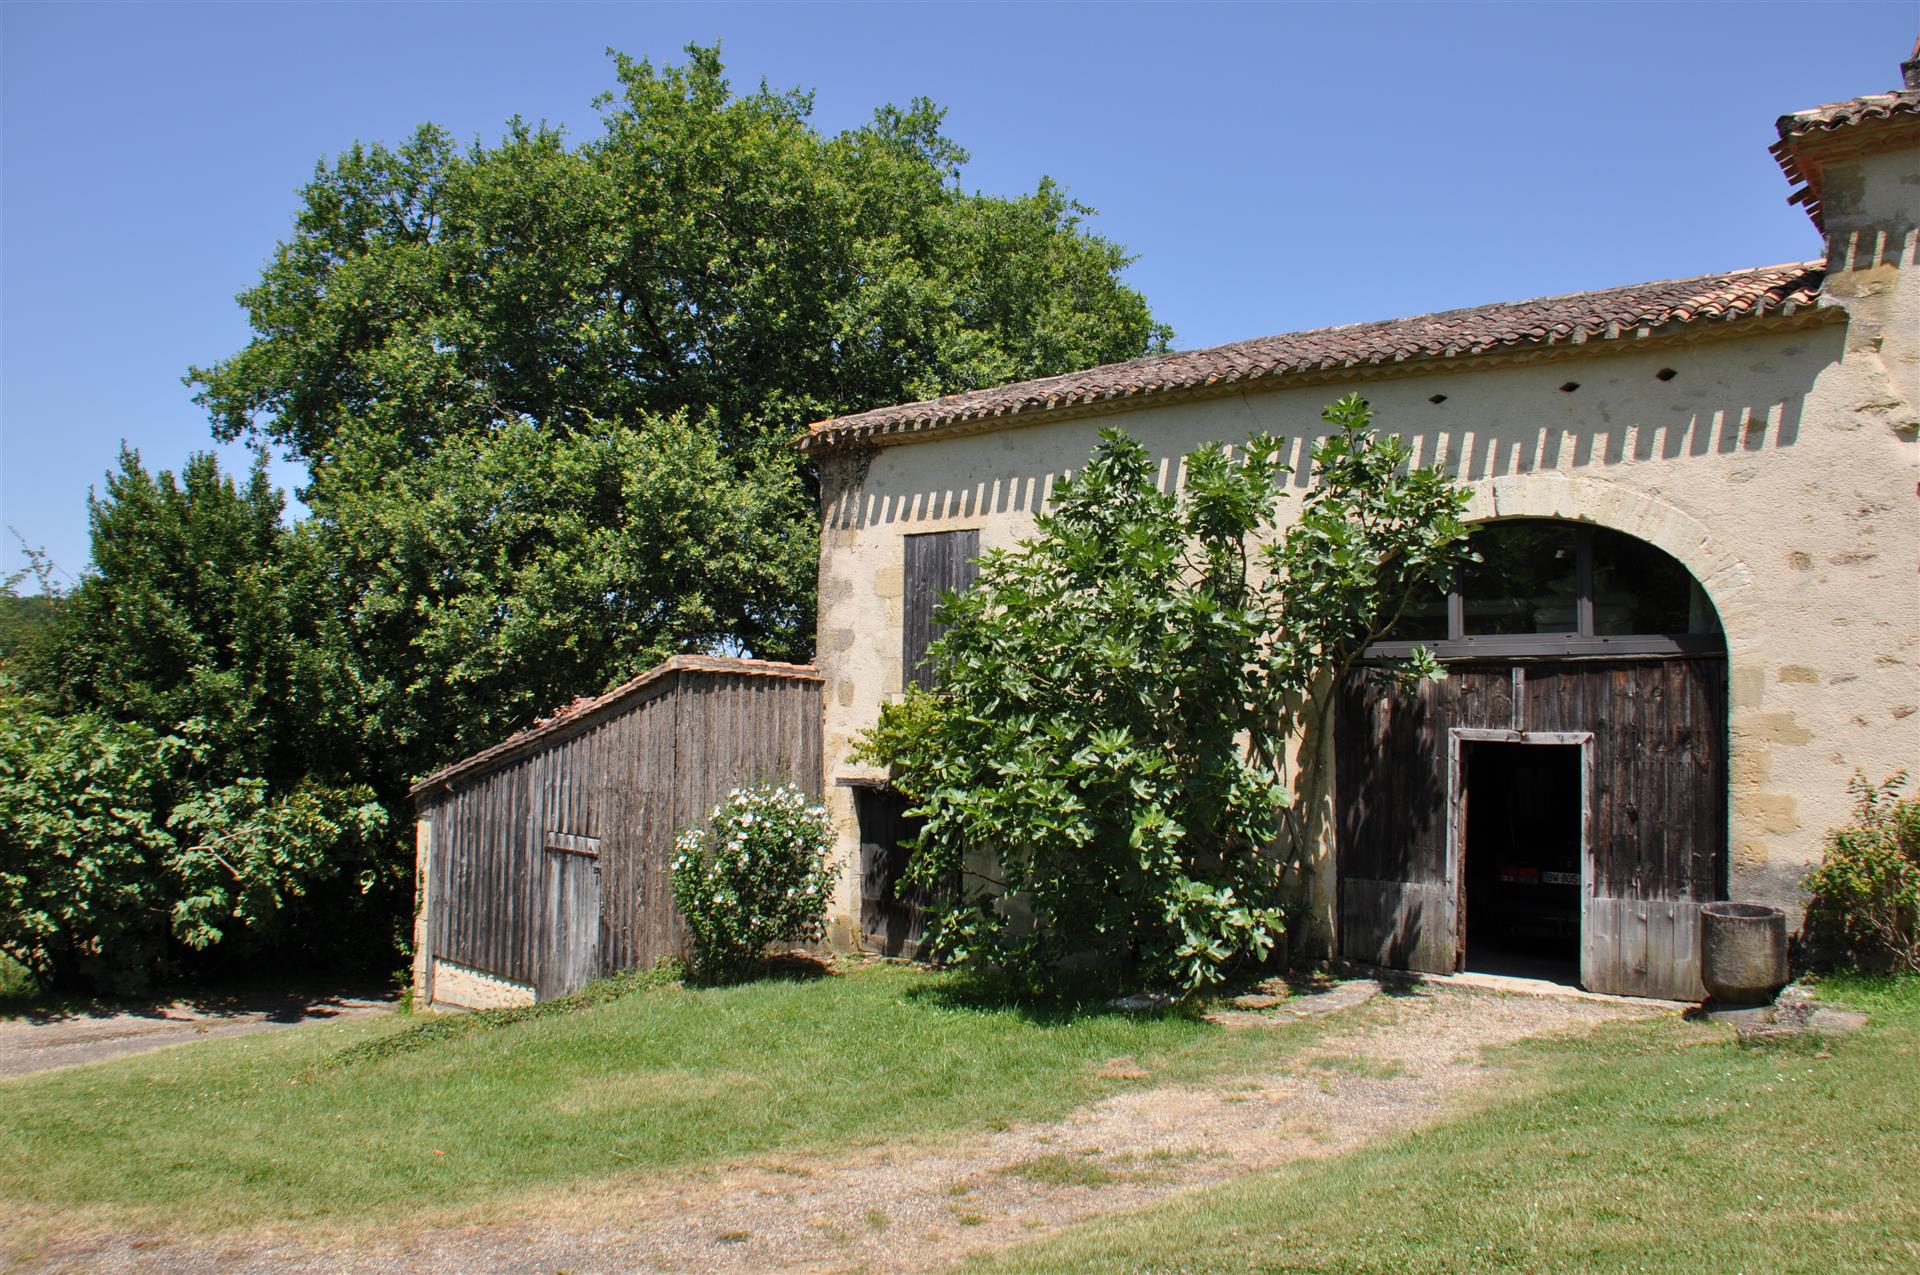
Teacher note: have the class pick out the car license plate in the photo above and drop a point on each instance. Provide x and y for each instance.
(1560, 878)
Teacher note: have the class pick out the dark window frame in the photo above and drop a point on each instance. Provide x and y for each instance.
(1461, 645)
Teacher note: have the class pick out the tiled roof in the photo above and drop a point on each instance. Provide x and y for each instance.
(1874, 106)
(589, 705)
(1510, 326)
(1804, 145)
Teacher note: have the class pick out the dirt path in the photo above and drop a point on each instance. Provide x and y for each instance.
(1402, 1061)
(66, 1040)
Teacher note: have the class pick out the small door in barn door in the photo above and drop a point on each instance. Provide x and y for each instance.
(1397, 898)
(569, 921)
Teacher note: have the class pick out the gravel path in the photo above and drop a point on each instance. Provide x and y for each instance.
(1402, 1061)
(68, 1040)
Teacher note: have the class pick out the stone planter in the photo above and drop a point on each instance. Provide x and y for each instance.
(1743, 952)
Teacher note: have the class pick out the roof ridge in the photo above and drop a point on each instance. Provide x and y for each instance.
(1580, 295)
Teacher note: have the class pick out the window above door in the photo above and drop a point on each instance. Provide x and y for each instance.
(1548, 588)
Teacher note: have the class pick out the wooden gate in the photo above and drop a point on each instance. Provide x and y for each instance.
(1654, 734)
(569, 922)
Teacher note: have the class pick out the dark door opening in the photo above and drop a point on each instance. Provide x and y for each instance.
(1520, 912)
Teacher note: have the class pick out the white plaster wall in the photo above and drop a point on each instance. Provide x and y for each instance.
(1779, 464)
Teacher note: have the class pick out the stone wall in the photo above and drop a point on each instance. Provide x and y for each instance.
(1777, 462)
(459, 987)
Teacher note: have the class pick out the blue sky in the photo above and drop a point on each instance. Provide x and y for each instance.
(1274, 166)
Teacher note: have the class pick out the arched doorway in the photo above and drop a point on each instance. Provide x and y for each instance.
(1557, 805)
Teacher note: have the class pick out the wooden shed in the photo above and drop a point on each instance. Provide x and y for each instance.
(544, 860)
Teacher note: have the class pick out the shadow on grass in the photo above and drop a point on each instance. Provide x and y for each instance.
(994, 992)
(1084, 993)
(788, 967)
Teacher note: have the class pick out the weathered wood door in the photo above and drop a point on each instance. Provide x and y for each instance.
(569, 922)
(1655, 818)
(1395, 905)
(936, 562)
(893, 917)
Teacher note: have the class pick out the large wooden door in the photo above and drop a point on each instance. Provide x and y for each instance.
(1657, 813)
(1656, 809)
(569, 922)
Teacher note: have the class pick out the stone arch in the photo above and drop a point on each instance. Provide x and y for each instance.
(1727, 580)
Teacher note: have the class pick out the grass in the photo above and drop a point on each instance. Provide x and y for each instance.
(1060, 1169)
(360, 1122)
(1649, 1146)
(1090, 1168)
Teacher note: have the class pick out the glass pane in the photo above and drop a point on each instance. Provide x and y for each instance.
(1424, 619)
(1639, 589)
(1527, 580)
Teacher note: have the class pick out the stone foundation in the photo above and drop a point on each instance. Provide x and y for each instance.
(458, 987)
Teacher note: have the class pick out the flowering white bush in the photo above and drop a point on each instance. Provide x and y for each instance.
(756, 874)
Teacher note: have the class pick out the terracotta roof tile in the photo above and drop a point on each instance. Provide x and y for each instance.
(1834, 115)
(1808, 138)
(588, 705)
(1509, 326)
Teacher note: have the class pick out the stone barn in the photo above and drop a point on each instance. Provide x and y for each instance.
(543, 861)
(1697, 614)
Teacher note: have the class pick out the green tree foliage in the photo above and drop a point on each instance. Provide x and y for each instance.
(26, 619)
(1863, 901)
(510, 570)
(83, 855)
(707, 253)
(545, 391)
(205, 631)
(205, 617)
(1125, 706)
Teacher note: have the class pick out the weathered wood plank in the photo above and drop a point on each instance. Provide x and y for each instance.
(1656, 814)
(1397, 924)
(622, 788)
(935, 563)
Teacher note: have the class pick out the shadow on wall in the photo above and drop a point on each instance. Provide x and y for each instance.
(979, 477)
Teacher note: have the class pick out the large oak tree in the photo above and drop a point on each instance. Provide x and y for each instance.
(546, 390)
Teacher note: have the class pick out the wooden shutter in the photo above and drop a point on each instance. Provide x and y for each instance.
(938, 562)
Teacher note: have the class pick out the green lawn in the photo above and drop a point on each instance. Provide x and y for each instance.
(277, 1127)
(1656, 1146)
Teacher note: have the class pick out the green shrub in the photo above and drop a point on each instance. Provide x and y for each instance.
(107, 882)
(1118, 758)
(1863, 903)
(86, 869)
(757, 874)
